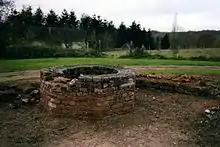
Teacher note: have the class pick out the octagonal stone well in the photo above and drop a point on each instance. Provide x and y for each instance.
(87, 90)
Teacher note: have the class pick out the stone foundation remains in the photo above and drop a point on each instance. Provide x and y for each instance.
(87, 90)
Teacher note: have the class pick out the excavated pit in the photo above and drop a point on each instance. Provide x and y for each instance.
(87, 90)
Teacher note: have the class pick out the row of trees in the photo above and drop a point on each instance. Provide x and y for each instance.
(97, 33)
(199, 39)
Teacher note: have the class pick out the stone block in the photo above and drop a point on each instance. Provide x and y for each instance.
(51, 105)
(61, 80)
(84, 90)
(72, 103)
(109, 98)
(55, 101)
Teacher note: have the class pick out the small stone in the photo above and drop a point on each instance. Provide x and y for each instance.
(84, 94)
(65, 102)
(52, 105)
(25, 100)
(105, 85)
(209, 116)
(55, 101)
(207, 111)
(19, 97)
(79, 94)
(61, 80)
(99, 104)
(73, 81)
(96, 78)
(32, 100)
(36, 91)
(83, 89)
(124, 95)
(154, 98)
(96, 90)
(12, 106)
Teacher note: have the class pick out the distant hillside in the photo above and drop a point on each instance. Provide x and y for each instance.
(194, 39)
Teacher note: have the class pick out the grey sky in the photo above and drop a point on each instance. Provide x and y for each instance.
(154, 14)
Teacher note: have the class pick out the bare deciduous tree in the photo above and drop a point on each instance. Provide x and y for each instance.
(5, 6)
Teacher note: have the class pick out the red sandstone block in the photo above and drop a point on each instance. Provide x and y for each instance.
(55, 111)
(72, 103)
(124, 94)
(105, 85)
(52, 105)
(79, 94)
(98, 91)
(85, 94)
(128, 99)
(55, 101)
(65, 102)
(61, 80)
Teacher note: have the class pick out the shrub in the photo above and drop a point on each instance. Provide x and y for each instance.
(144, 55)
(25, 52)
(157, 56)
(17, 52)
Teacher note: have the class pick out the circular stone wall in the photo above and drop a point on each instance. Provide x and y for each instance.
(87, 90)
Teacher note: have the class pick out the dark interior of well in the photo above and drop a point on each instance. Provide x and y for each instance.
(95, 70)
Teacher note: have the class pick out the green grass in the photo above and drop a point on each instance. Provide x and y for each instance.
(24, 64)
(185, 53)
(181, 71)
(116, 54)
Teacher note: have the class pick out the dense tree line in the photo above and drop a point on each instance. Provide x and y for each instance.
(28, 25)
(97, 33)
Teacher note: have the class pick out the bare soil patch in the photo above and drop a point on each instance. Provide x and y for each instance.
(159, 120)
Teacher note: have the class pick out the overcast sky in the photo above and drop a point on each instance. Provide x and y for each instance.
(154, 14)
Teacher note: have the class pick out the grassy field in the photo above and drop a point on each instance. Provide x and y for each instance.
(185, 53)
(24, 64)
(181, 71)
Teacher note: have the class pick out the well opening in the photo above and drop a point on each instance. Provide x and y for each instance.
(88, 70)
(88, 90)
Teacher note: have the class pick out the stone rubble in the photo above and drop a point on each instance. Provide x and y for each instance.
(25, 98)
(212, 113)
(184, 84)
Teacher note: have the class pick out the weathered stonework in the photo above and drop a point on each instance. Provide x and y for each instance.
(87, 90)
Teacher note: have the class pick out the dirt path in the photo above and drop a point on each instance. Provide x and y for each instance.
(34, 74)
